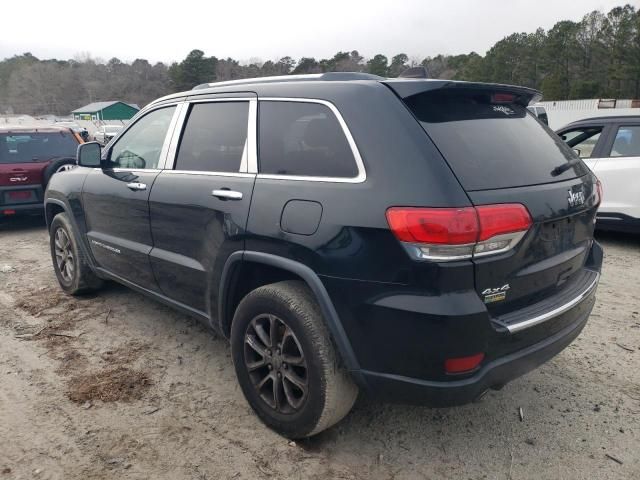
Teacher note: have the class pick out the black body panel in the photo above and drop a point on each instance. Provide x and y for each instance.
(117, 221)
(194, 233)
(394, 320)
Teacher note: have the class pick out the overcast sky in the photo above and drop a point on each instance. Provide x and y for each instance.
(272, 29)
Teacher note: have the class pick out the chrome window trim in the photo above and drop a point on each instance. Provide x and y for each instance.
(147, 170)
(249, 154)
(516, 327)
(165, 145)
(252, 139)
(212, 174)
(166, 148)
(175, 136)
(359, 178)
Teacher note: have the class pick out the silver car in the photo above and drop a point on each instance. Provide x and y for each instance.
(105, 133)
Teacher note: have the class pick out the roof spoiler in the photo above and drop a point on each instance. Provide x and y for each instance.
(415, 72)
(405, 88)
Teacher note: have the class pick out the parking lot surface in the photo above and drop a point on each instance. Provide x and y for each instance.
(115, 385)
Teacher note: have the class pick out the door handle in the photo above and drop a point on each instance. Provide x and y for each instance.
(227, 194)
(137, 186)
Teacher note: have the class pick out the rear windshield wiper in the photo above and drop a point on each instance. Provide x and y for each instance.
(560, 169)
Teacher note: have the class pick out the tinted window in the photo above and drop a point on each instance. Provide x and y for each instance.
(214, 138)
(305, 139)
(36, 147)
(489, 143)
(583, 139)
(140, 146)
(627, 142)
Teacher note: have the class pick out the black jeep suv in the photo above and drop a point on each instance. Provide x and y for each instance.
(418, 240)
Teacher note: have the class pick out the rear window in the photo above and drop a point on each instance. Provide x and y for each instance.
(306, 139)
(34, 147)
(490, 143)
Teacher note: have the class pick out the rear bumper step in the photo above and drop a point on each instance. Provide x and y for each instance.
(540, 312)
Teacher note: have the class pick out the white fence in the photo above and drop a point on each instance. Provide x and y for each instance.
(566, 111)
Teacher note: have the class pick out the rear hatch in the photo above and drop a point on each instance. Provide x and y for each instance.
(502, 154)
(24, 154)
(19, 174)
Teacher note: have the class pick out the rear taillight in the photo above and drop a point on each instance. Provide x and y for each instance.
(599, 193)
(503, 98)
(459, 233)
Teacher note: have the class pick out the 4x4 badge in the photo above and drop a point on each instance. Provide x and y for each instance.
(495, 294)
(576, 198)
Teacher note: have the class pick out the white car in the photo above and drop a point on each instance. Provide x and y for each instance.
(610, 146)
(105, 133)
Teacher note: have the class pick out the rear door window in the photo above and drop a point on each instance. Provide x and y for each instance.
(489, 142)
(627, 142)
(303, 139)
(583, 140)
(214, 138)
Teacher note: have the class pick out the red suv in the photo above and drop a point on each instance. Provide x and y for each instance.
(28, 159)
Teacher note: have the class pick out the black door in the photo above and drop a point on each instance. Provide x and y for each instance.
(199, 209)
(116, 199)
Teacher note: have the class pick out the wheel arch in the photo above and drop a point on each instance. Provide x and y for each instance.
(53, 207)
(230, 284)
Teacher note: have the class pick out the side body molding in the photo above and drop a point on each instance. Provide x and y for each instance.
(313, 281)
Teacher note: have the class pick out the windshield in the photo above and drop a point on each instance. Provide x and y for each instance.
(36, 146)
(490, 142)
(112, 129)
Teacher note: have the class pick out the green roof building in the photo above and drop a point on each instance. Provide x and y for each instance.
(114, 110)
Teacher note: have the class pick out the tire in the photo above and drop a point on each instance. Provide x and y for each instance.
(74, 273)
(55, 166)
(289, 311)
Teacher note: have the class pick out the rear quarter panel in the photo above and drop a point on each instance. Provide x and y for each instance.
(402, 167)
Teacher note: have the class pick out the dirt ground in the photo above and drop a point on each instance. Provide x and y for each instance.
(118, 386)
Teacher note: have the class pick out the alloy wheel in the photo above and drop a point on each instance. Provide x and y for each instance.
(64, 255)
(276, 363)
(65, 167)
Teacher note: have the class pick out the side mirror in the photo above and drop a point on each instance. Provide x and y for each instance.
(577, 150)
(88, 155)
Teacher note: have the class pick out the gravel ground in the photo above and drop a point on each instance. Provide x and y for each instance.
(118, 386)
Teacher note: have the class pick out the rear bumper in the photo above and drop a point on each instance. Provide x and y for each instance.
(15, 209)
(492, 375)
(402, 339)
(21, 207)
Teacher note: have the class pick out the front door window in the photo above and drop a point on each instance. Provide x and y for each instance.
(140, 146)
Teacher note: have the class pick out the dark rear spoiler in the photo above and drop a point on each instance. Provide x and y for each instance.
(405, 88)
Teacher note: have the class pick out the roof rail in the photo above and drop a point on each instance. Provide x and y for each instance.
(329, 76)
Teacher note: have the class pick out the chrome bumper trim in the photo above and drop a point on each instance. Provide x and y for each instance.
(516, 327)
